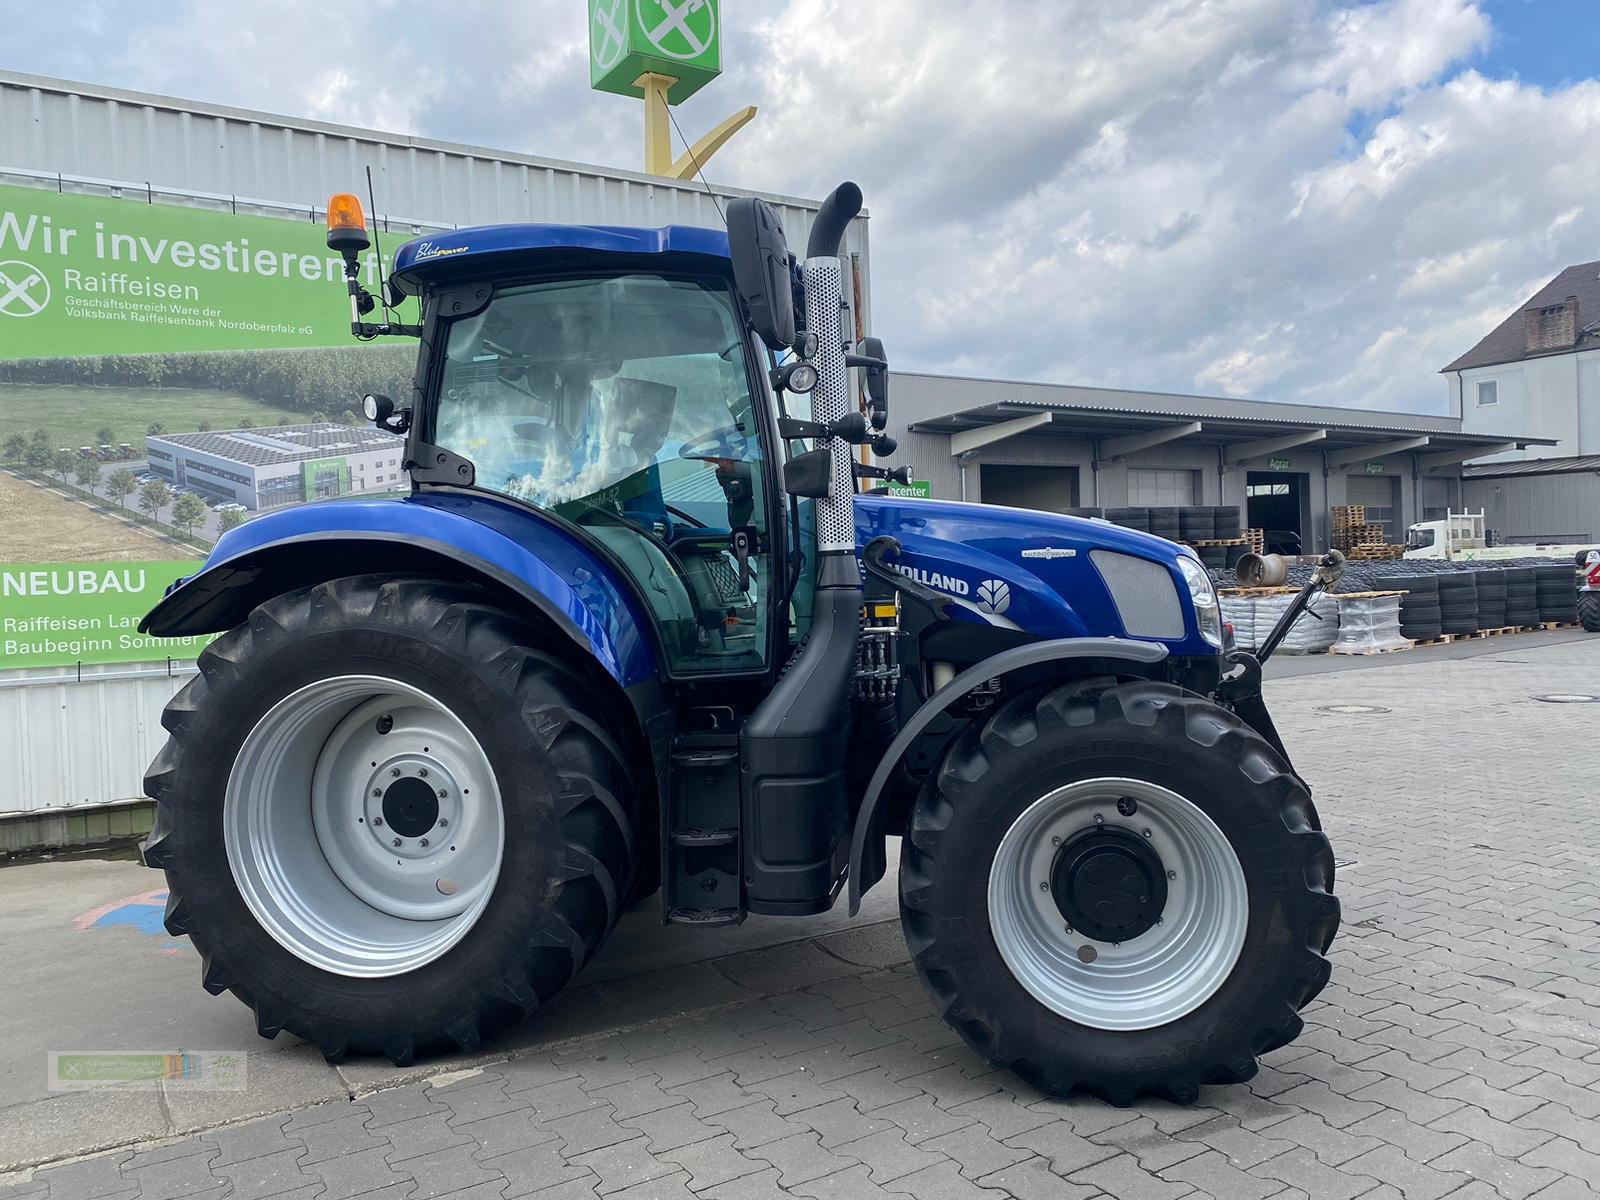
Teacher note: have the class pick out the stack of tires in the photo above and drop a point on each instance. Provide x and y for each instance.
(1197, 523)
(1130, 518)
(1491, 586)
(1557, 589)
(1458, 602)
(1419, 607)
(1164, 522)
(1522, 596)
(1227, 522)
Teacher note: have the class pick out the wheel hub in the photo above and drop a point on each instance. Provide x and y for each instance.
(409, 807)
(1109, 884)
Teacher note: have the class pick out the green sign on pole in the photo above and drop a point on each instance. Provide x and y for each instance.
(676, 38)
(917, 488)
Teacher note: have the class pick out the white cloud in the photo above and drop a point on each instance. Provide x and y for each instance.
(1320, 200)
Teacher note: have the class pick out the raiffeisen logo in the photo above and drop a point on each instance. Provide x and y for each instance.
(24, 290)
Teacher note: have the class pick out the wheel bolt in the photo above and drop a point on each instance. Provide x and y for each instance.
(1099, 820)
(394, 772)
(422, 772)
(1172, 874)
(1044, 887)
(443, 823)
(424, 843)
(443, 793)
(1069, 928)
(377, 791)
(1147, 833)
(1055, 841)
(377, 820)
(397, 842)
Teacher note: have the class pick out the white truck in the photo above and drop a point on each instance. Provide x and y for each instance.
(1461, 536)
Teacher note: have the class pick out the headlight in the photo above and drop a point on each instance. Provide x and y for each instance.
(1207, 612)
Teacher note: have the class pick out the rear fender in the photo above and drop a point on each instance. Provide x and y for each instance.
(531, 562)
(867, 839)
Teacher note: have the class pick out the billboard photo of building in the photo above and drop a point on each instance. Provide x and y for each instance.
(273, 467)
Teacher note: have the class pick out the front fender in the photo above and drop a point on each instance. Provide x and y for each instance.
(516, 550)
(867, 836)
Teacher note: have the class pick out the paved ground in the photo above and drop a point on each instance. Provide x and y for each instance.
(1455, 1053)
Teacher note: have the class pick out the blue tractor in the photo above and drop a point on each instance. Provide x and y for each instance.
(646, 621)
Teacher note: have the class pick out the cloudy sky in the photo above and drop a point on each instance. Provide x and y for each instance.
(1306, 200)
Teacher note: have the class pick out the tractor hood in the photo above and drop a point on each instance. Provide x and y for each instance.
(1047, 574)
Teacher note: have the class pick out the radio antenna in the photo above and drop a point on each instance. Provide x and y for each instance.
(377, 246)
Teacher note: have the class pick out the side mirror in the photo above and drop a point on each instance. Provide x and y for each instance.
(809, 474)
(761, 260)
(877, 382)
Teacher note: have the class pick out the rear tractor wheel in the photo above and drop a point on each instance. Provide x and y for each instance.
(387, 824)
(1119, 892)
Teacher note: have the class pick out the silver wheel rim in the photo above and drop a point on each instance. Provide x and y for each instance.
(1152, 979)
(325, 785)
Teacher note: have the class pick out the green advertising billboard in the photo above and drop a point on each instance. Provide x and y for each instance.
(677, 38)
(92, 275)
(134, 336)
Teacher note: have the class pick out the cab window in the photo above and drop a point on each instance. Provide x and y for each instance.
(623, 405)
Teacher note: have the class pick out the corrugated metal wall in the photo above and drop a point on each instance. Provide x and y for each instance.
(1558, 507)
(266, 163)
(66, 743)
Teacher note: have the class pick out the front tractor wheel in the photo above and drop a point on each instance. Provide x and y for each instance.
(1118, 891)
(1589, 611)
(386, 823)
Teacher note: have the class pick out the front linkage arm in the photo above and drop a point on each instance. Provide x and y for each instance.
(1241, 681)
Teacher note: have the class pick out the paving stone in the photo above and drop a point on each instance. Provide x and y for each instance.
(1558, 1119)
(1395, 1093)
(349, 1175)
(1212, 1173)
(840, 1121)
(420, 1136)
(1584, 1101)
(1121, 1175)
(754, 1124)
(634, 1097)
(1417, 1180)
(1422, 1143)
(514, 1130)
(560, 1099)
(266, 1175)
(1335, 1109)
(534, 1168)
(623, 1165)
(670, 1128)
(800, 1157)
(1506, 1139)
(585, 1131)
(1001, 1114)
(391, 1106)
(1065, 1150)
(713, 1162)
(795, 1092)
(1509, 1178)
(921, 1118)
(853, 1183)
(875, 1088)
(478, 1101)
(175, 1176)
(1033, 1179)
(1498, 1103)
(235, 1143)
(89, 1178)
(1300, 1169)
(717, 1094)
(940, 1182)
(1240, 1146)
(888, 1156)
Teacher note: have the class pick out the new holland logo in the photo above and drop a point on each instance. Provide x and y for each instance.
(994, 596)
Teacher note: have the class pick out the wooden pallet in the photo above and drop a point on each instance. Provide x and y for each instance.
(1365, 595)
(1444, 639)
(1334, 649)
(1257, 539)
(1373, 552)
(1556, 625)
(1256, 593)
(1216, 542)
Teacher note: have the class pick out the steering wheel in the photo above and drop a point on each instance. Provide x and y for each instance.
(718, 446)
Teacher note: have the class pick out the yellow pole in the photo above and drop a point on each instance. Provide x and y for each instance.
(657, 123)
(687, 164)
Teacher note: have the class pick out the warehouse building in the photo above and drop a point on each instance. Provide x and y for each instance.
(289, 464)
(1060, 447)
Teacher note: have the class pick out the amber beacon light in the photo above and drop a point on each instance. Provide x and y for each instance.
(347, 224)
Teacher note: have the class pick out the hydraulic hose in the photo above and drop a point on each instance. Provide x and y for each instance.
(832, 219)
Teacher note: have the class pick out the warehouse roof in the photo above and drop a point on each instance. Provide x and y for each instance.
(282, 443)
(1508, 341)
(1577, 464)
(981, 411)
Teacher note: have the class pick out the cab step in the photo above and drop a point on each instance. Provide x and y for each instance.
(701, 868)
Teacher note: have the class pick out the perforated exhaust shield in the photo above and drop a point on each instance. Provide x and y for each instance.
(830, 399)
